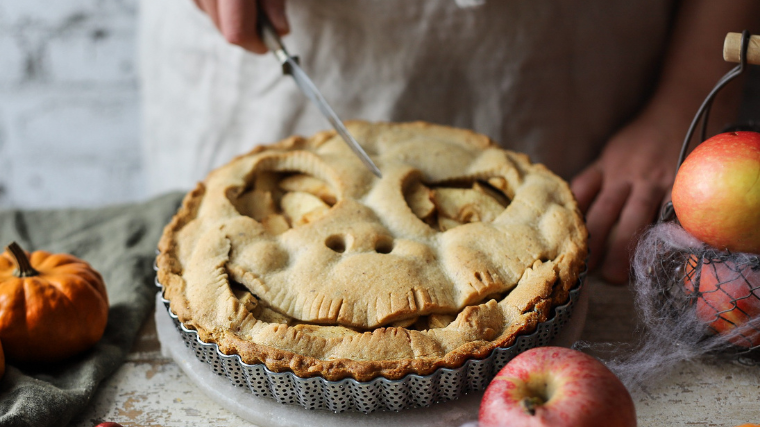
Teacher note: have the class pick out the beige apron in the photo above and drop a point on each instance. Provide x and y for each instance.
(552, 79)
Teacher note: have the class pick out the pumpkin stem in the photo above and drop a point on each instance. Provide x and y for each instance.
(22, 261)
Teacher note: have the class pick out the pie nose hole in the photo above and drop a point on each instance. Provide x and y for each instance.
(384, 245)
(337, 243)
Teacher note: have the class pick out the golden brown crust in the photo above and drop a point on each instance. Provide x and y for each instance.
(344, 280)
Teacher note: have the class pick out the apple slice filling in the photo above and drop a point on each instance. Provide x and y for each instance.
(283, 200)
(444, 207)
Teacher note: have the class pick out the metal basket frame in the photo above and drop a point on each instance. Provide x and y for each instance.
(673, 294)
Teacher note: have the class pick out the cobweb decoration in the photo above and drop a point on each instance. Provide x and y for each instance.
(693, 301)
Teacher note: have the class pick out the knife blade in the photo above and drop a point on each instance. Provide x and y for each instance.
(290, 66)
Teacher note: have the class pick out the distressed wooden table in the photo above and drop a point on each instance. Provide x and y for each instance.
(151, 390)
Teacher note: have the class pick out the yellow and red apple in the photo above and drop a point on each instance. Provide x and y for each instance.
(557, 387)
(716, 193)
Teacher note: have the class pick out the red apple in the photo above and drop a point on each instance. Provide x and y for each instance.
(557, 387)
(730, 301)
(716, 193)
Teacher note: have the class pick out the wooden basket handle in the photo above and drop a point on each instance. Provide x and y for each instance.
(732, 47)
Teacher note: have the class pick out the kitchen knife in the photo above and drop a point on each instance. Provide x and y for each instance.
(290, 66)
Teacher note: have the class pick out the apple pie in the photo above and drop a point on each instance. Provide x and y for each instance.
(297, 257)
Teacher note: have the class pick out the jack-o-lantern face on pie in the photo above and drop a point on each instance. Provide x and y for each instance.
(300, 236)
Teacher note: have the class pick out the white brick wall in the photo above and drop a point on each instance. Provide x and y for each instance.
(69, 121)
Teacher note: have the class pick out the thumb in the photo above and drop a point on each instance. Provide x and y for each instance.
(275, 10)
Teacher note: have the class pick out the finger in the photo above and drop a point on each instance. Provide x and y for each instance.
(602, 215)
(209, 6)
(275, 10)
(238, 24)
(586, 186)
(638, 213)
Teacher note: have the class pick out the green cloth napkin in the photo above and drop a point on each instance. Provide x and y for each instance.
(120, 242)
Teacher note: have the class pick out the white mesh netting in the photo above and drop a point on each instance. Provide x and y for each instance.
(692, 300)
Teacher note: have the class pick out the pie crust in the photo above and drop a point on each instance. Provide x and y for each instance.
(296, 256)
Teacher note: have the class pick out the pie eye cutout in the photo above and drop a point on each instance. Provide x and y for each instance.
(336, 243)
(384, 245)
(283, 200)
(449, 205)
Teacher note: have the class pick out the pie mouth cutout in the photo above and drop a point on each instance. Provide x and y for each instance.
(265, 313)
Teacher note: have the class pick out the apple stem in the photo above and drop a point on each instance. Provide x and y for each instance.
(530, 404)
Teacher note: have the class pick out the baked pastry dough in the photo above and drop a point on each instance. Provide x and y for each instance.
(297, 256)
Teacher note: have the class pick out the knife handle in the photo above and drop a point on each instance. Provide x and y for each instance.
(732, 47)
(273, 42)
(268, 34)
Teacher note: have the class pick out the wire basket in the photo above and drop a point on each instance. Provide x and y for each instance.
(718, 291)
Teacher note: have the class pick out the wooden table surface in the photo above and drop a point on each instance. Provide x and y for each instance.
(151, 390)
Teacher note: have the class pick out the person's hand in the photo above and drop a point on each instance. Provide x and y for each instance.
(622, 191)
(237, 20)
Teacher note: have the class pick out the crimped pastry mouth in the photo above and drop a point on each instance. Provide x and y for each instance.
(415, 321)
(296, 256)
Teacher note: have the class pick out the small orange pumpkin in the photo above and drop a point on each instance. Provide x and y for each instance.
(52, 306)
